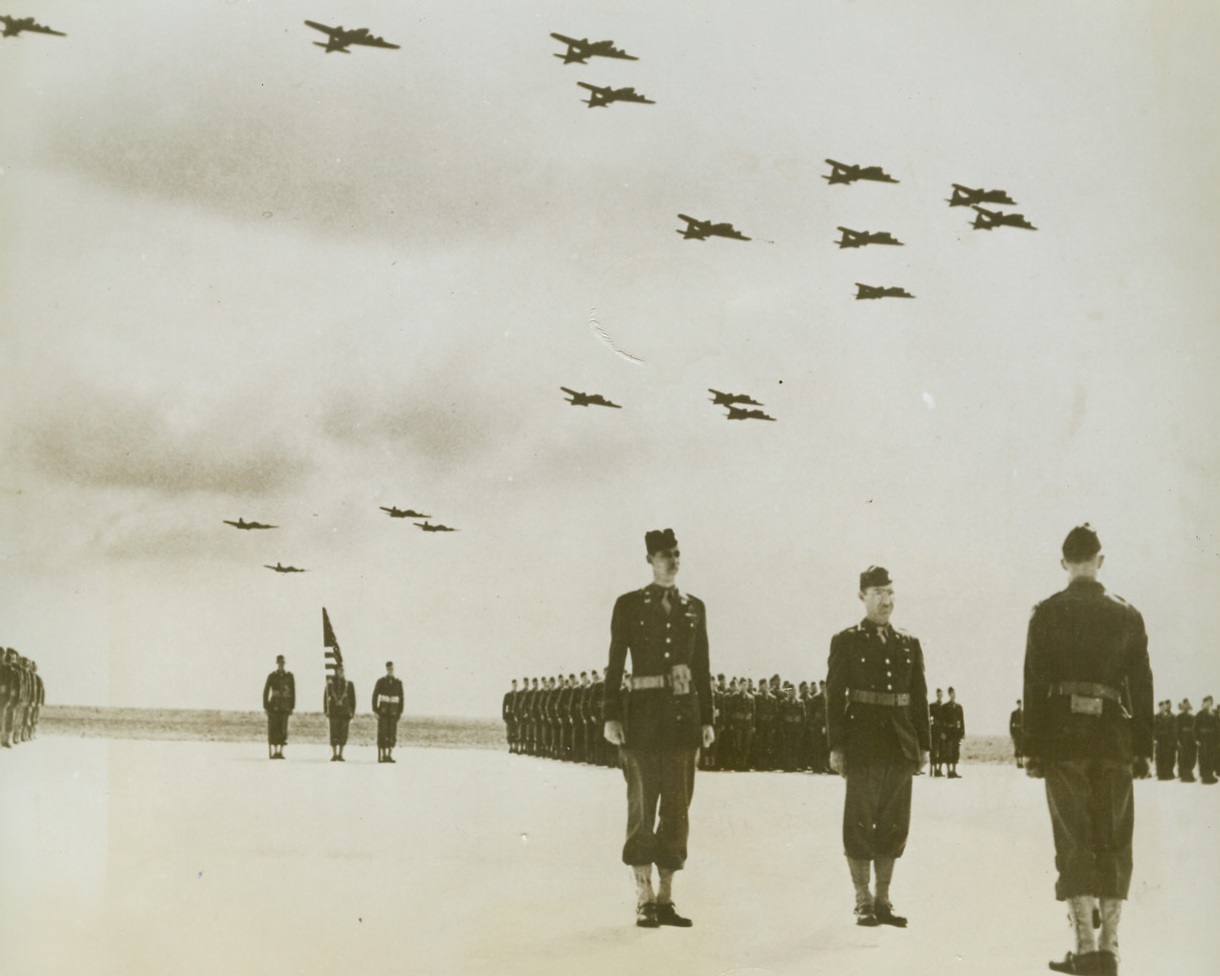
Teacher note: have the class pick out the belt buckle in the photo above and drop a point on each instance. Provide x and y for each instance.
(680, 679)
(1084, 705)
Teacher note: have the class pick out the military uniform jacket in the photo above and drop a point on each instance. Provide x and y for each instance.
(954, 720)
(279, 692)
(1016, 724)
(672, 647)
(1084, 635)
(339, 702)
(861, 662)
(1166, 729)
(387, 696)
(506, 707)
(1186, 727)
(1206, 724)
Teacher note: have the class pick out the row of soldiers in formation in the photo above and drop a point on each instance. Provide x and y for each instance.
(21, 697)
(1187, 740)
(768, 726)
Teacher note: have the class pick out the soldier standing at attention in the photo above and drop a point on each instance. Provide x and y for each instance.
(877, 713)
(1187, 751)
(940, 741)
(954, 721)
(8, 694)
(1205, 739)
(338, 705)
(1016, 729)
(669, 719)
(507, 715)
(387, 705)
(1088, 729)
(1166, 731)
(279, 701)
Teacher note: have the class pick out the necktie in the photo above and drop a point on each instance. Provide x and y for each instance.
(669, 596)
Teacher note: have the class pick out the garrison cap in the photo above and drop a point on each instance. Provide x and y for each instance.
(659, 539)
(874, 576)
(1081, 544)
(279, 659)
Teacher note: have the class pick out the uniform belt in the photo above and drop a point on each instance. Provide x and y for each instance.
(1087, 689)
(892, 699)
(649, 681)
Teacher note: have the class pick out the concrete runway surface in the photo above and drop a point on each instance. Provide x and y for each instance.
(135, 857)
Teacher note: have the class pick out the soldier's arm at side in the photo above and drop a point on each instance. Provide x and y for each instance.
(703, 679)
(1139, 683)
(1035, 695)
(836, 691)
(267, 693)
(612, 710)
(919, 703)
(292, 692)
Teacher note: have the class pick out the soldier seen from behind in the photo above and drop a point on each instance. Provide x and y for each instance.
(1088, 731)
(954, 721)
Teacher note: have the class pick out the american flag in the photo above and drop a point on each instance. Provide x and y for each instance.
(330, 646)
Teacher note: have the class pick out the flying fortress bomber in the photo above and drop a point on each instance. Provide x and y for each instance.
(849, 173)
(964, 196)
(728, 399)
(243, 524)
(604, 96)
(429, 527)
(701, 230)
(579, 52)
(339, 39)
(876, 291)
(403, 513)
(589, 399)
(736, 413)
(285, 569)
(862, 238)
(15, 25)
(987, 219)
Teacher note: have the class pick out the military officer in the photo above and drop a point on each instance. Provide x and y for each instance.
(279, 701)
(1187, 750)
(791, 729)
(338, 705)
(954, 721)
(1205, 739)
(817, 729)
(1165, 730)
(1088, 729)
(388, 701)
(877, 717)
(40, 696)
(669, 719)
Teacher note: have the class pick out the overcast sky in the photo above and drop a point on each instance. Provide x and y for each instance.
(243, 277)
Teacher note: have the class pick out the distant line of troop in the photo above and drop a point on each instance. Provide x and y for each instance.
(773, 725)
(21, 696)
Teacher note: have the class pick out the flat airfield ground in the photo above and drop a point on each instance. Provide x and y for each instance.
(176, 857)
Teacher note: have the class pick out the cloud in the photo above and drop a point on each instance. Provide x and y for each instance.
(110, 440)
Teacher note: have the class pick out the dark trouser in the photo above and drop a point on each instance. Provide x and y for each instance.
(877, 810)
(1166, 756)
(1186, 761)
(1093, 819)
(938, 747)
(338, 729)
(667, 776)
(953, 751)
(277, 728)
(1207, 759)
(387, 731)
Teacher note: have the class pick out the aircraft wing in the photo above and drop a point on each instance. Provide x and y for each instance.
(569, 41)
(40, 29)
(370, 40)
(615, 52)
(332, 31)
(593, 88)
(571, 392)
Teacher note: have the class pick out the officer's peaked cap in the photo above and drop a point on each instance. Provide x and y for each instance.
(659, 539)
(1081, 544)
(874, 576)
